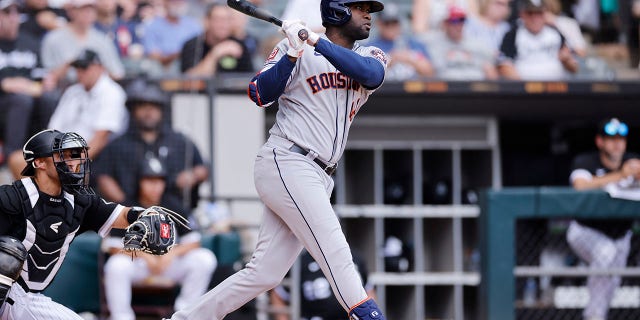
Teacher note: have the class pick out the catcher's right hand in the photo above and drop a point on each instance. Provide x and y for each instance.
(153, 232)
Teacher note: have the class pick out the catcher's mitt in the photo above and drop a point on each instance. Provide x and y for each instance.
(154, 231)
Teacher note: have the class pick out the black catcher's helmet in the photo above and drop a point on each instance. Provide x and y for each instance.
(72, 151)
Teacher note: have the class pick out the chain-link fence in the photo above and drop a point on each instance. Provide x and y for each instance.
(585, 269)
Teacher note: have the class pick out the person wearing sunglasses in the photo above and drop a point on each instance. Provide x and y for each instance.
(603, 243)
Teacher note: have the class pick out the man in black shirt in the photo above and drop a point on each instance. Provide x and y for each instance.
(26, 97)
(215, 50)
(603, 243)
(149, 137)
(45, 211)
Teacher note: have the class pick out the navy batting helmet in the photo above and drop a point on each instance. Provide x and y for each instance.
(337, 12)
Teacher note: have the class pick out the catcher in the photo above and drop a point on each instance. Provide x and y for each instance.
(42, 213)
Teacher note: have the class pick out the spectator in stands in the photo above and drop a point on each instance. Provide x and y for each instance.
(128, 9)
(149, 136)
(239, 30)
(610, 28)
(165, 35)
(456, 57)
(429, 14)
(587, 13)
(187, 263)
(61, 46)
(603, 243)
(94, 106)
(38, 18)
(490, 25)
(121, 32)
(215, 50)
(567, 26)
(317, 301)
(533, 50)
(634, 35)
(27, 99)
(409, 57)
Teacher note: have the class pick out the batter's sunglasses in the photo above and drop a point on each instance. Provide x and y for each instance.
(615, 127)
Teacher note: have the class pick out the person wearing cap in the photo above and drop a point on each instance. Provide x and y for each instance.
(429, 14)
(94, 106)
(187, 264)
(61, 46)
(532, 50)
(150, 135)
(45, 211)
(409, 57)
(27, 98)
(457, 57)
(603, 243)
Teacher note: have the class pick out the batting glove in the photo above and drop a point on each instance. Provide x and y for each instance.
(290, 29)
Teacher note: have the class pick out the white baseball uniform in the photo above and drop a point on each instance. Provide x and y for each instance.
(192, 271)
(316, 110)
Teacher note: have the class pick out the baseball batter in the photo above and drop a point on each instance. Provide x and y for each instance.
(320, 85)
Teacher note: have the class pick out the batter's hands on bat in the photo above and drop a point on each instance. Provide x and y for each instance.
(290, 29)
(312, 37)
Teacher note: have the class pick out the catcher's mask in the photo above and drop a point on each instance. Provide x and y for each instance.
(70, 155)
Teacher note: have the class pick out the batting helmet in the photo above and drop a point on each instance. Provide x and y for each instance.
(140, 91)
(337, 12)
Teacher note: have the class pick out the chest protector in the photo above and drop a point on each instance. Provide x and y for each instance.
(51, 225)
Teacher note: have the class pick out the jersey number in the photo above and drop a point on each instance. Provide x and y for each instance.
(355, 106)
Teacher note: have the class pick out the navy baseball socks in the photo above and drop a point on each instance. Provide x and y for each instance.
(366, 310)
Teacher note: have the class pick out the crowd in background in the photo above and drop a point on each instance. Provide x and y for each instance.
(63, 63)
(425, 37)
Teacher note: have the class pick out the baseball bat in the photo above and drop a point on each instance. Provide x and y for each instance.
(250, 9)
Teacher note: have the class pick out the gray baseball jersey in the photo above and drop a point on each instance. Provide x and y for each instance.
(319, 102)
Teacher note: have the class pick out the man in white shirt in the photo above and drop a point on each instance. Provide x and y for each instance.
(94, 106)
(61, 46)
(532, 50)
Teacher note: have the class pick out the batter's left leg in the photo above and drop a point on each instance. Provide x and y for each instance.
(276, 251)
